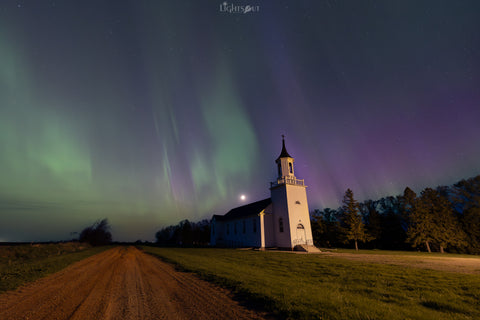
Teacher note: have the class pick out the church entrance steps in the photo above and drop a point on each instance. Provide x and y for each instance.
(306, 248)
(312, 249)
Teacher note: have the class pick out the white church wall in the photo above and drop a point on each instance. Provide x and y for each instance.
(217, 232)
(254, 224)
(280, 211)
(299, 214)
(269, 227)
(244, 232)
(213, 232)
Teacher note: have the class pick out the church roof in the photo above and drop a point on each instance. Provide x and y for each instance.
(244, 211)
(284, 153)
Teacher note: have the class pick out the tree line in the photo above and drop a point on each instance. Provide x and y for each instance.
(185, 233)
(446, 218)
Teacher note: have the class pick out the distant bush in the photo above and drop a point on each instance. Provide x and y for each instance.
(97, 234)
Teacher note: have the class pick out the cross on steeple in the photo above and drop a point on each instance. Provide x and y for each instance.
(284, 152)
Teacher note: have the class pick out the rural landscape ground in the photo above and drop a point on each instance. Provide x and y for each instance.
(121, 283)
(127, 282)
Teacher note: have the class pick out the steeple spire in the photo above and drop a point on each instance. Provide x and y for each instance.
(284, 153)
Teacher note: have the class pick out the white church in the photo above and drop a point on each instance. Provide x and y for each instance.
(281, 221)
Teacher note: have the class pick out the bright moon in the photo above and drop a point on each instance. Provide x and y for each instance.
(242, 197)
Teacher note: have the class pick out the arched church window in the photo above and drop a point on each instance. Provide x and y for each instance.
(279, 170)
(290, 167)
(280, 224)
(297, 202)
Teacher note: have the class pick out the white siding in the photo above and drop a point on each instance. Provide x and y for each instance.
(280, 211)
(298, 212)
(249, 238)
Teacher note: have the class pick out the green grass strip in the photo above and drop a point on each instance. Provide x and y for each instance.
(300, 286)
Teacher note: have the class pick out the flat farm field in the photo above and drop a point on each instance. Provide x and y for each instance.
(341, 285)
(20, 264)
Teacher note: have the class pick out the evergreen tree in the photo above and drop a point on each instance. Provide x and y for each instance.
(373, 220)
(325, 228)
(471, 225)
(407, 204)
(351, 221)
(449, 233)
(467, 193)
(467, 202)
(318, 227)
(420, 224)
(433, 221)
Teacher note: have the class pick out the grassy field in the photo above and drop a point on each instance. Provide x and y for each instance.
(24, 263)
(402, 253)
(301, 286)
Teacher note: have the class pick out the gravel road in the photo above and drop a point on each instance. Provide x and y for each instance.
(121, 283)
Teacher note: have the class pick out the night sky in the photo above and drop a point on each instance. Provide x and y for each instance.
(150, 112)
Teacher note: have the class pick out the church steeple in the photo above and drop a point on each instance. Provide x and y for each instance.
(285, 162)
(284, 153)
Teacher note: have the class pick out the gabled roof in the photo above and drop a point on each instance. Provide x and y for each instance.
(244, 211)
(284, 153)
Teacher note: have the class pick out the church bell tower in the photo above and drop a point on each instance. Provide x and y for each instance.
(291, 219)
(285, 163)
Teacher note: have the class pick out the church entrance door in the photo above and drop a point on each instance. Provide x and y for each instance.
(301, 235)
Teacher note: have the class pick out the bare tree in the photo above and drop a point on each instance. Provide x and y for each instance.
(98, 234)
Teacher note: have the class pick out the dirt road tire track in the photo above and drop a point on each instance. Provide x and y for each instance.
(121, 283)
